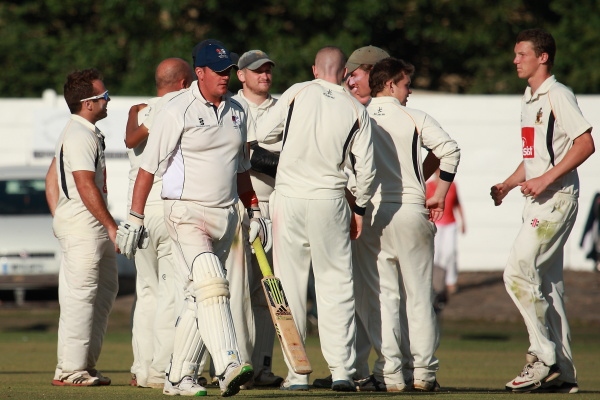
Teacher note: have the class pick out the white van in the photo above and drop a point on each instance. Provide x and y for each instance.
(29, 253)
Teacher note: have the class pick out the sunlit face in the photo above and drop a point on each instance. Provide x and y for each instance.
(401, 90)
(526, 61)
(99, 106)
(358, 83)
(213, 85)
(258, 81)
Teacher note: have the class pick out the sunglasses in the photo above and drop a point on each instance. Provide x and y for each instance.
(97, 97)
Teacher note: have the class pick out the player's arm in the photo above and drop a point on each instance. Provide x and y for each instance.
(135, 133)
(436, 203)
(263, 160)
(52, 187)
(582, 149)
(500, 190)
(94, 201)
(141, 190)
(430, 165)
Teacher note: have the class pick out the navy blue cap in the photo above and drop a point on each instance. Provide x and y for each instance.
(213, 55)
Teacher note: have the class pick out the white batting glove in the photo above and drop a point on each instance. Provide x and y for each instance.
(132, 235)
(262, 228)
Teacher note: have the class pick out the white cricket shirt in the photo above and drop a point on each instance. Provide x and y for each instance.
(198, 148)
(79, 148)
(550, 121)
(399, 134)
(325, 128)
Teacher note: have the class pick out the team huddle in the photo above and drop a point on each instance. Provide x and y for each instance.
(329, 177)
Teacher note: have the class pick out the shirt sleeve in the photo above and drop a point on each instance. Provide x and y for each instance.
(441, 144)
(81, 149)
(269, 126)
(567, 112)
(163, 140)
(364, 165)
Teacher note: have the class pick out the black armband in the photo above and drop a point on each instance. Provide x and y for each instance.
(446, 176)
(359, 210)
(263, 160)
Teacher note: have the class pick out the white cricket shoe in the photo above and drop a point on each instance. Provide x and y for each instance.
(426, 386)
(234, 377)
(77, 378)
(534, 374)
(187, 386)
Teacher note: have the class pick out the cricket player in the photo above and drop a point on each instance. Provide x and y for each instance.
(395, 252)
(248, 304)
(77, 197)
(556, 139)
(198, 145)
(155, 307)
(312, 222)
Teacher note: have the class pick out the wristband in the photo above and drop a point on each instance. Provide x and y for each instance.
(359, 210)
(136, 218)
(249, 199)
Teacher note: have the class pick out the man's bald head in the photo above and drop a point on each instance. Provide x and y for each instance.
(173, 74)
(329, 64)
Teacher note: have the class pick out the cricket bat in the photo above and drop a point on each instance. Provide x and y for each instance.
(290, 339)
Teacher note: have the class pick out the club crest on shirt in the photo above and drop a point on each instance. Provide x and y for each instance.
(329, 94)
(379, 111)
(538, 117)
(236, 121)
(535, 222)
(201, 121)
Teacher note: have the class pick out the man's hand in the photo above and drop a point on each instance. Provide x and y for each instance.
(499, 192)
(262, 228)
(356, 223)
(435, 207)
(132, 235)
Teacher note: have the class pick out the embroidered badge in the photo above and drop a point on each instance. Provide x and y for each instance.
(538, 117)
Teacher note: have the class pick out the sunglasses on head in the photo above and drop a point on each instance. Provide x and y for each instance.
(97, 97)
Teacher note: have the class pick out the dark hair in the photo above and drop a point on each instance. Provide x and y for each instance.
(79, 85)
(542, 42)
(387, 69)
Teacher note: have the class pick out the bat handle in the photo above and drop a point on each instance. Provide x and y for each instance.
(259, 252)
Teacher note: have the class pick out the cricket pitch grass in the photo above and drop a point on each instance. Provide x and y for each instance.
(476, 360)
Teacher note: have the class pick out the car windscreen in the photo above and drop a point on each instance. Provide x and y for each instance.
(23, 197)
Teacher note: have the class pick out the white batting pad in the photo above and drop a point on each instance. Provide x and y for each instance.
(188, 345)
(214, 315)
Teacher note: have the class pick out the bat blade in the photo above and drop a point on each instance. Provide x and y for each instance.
(288, 335)
(282, 317)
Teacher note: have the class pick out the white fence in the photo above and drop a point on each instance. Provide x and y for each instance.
(486, 128)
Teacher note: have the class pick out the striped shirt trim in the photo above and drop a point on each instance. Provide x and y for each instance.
(415, 155)
(287, 122)
(550, 137)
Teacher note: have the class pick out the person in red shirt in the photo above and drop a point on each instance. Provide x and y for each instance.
(445, 257)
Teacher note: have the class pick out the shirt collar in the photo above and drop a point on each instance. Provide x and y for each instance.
(265, 104)
(542, 90)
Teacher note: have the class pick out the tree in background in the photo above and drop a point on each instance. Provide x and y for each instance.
(457, 46)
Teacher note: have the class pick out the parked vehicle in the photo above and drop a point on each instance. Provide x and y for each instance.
(29, 252)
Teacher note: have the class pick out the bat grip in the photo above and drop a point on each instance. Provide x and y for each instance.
(263, 263)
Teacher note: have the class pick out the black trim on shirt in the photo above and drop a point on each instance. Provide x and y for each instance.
(550, 137)
(63, 179)
(287, 122)
(446, 176)
(348, 140)
(415, 154)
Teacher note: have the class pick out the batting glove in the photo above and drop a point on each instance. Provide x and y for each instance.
(262, 228)
(131, 235)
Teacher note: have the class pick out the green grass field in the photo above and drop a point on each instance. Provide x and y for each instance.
(476, 359)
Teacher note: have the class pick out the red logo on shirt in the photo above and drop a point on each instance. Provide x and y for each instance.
(535, 222)
(527, 136)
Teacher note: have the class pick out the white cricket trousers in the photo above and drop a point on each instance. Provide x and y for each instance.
(156, 307)
(199, 233)
(87, 288)
(394, 258)
(445, 251)
(534, 278)
(318, 230)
